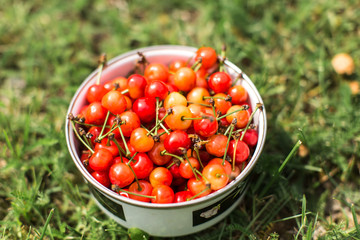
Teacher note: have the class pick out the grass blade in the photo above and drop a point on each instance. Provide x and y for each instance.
(47, 223)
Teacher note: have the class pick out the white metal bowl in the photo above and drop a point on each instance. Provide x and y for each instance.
(175, 219)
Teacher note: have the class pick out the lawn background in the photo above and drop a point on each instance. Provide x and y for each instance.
(47, 48)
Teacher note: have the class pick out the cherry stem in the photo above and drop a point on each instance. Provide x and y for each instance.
(201, 104)
(164, 152)
(132, 193)
(198, 194)
(124, 141)
(103, 127)
(192, 168)
(121, 150)
(102, 62)
(240, 76)
(211, 118)
(232, 125)
(78, 136)
(244, 107)
(234, 154)
(157, 125)
(124, 91)
(157, 115)
(132, 170)
(198, 157)
(196, 66)
(90, 125)
(258, 106)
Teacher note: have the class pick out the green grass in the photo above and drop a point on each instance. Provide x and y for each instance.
(47, 48)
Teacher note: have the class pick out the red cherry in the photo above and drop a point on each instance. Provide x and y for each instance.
(145, 108)
(156, 71)
(109, 145)
(238, 94)
(95, 113)
(132, 121)
(186, 167)
(206, 127)
(95, 132)
(136, 86)
(114, 101)
(102, 177)
(182, 196)
(216, 145)
(177, 142)
(251, 137)
(177, 64)
(185, 79)
(160, 176)
(162, 194)
(198, 187)
(242, 151)
(95, 93)
(156, 89)
(219, 82)
(101, 160)
(121, 175)
(156, 156)
(142, 165)
(120, 82)
(208, 56)
(141, 141)
(145, 189)
(216, 175)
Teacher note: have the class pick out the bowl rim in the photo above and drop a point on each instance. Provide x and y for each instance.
(215, 195)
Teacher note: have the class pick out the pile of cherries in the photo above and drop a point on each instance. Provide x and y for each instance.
(167, 133)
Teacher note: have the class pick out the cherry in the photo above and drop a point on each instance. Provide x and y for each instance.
(109, 145)
(101, 160)
(172, 88)
(182, 196)
(156, 156)
(95, 113)
(225, 164)
(114, 101)
(130, 121)
(208, 56)
(177, 142)
(216, 175)
(141, 187)
(242, 151)
(95, 133)
(185, 79)
(136, 85)
(162, 194)
(140, 140)
(187, 168)
(141, 164)
(124, 193)
(196, 109)
(120, 82)
(102, 177)
(173, 167)
(173, 99)
(176, 65)
(216, 145)
(95, 93)
(156, 71)
(145, 108)
(179, 119)
(160, 176)
(157, 89)
(242, 116)
(206, 127)
(221, 103)
(251, 137)
(121, 175)
(238, 94)
(197, 94)
(201, 81)
(219, 82)
(198, 187)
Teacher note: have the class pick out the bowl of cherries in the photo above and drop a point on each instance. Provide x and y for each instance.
(166, 137)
